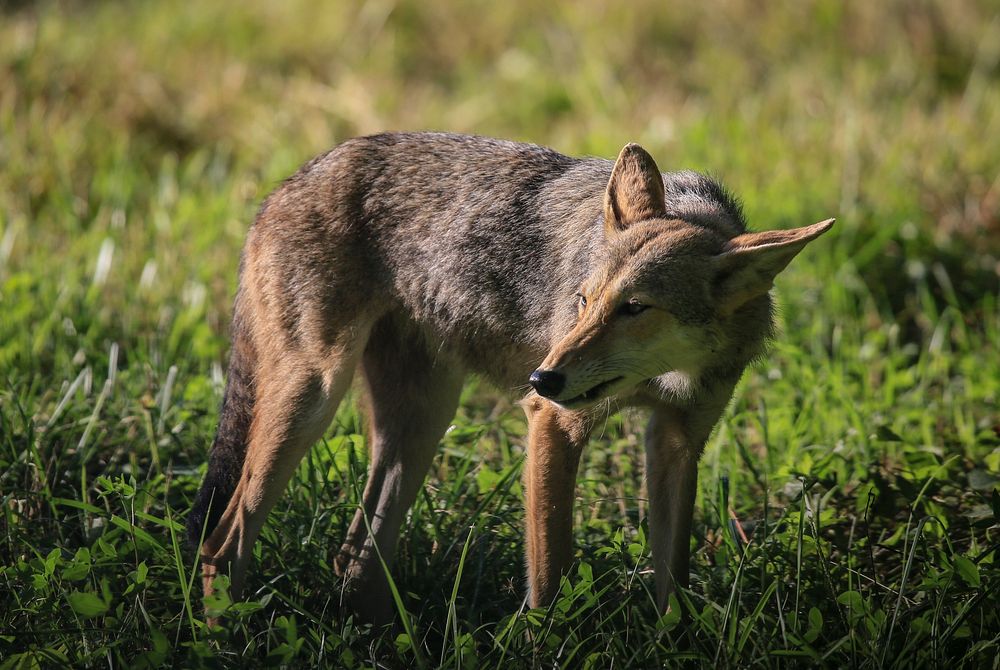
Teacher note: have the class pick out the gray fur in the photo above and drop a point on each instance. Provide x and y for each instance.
(469, 236)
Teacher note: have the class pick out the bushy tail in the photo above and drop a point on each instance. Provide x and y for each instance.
(229, 450)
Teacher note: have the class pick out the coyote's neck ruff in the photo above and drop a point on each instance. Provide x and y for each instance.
(418, 258)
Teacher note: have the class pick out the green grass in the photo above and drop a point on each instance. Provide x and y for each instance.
(862, 457)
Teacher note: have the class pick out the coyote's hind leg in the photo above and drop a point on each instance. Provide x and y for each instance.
(296, 397)
(412, 397)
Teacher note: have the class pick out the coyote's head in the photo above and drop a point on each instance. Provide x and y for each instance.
(668, 295)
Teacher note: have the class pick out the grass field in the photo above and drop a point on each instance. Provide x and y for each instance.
(862, 458)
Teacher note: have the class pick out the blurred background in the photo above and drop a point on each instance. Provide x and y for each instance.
(138, 138)
(159, 126)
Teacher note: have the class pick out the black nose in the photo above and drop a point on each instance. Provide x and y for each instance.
(547, 383)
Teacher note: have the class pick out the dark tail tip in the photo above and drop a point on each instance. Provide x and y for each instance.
(196, 518)
(229, 450)
(213, 496)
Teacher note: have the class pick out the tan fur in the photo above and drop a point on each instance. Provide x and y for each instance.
(418, 258)
(555, 441)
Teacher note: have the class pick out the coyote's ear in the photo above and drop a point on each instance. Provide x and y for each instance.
(747, 267)
(635, 190)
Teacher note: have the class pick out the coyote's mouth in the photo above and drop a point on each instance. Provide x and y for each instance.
(590, 395)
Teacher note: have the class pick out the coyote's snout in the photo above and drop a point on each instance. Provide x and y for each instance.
(418, 258)
(625, 336)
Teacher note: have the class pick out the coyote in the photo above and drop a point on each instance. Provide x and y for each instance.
(418, 258)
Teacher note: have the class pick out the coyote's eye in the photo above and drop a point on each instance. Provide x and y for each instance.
(633, 307)
(583, 300)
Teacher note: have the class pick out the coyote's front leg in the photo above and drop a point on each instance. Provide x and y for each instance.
(675, 439)
(672, 481)
(555, 440)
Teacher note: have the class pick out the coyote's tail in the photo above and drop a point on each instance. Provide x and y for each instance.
(229, 450)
